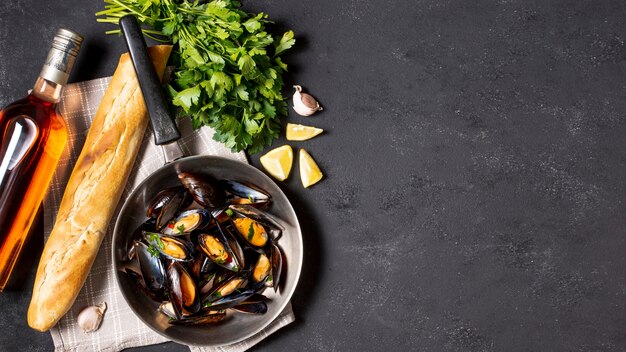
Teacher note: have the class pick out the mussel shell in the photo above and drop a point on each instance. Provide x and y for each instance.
(269, 222)
(187, 222)
(207, 285)
(173, 205)
(152, 269)
(173, 248)
(277, 267)
(262, 269)
(201, 265)
(183, 292)
(230, 300)
(228, 287)
(204, 189)
(222, 249)
(211, 317)
(164, 196)
(242, 193)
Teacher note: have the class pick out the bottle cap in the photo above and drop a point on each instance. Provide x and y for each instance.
(61, 57)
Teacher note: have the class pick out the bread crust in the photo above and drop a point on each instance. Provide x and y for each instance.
(92, 193)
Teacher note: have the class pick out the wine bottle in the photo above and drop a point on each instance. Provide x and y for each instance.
(33, 137)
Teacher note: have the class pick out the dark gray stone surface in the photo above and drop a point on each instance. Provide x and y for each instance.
(475, 165)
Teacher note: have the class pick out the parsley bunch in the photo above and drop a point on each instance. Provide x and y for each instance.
(228, 68)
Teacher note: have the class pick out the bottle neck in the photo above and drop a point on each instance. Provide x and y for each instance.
(47, 90)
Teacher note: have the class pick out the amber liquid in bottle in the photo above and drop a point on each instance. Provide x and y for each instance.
(33, 137)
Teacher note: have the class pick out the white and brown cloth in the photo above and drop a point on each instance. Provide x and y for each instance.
(120, 328)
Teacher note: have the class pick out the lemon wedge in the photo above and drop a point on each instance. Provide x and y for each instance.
(310, 173)
(277, 162)
(301, 132)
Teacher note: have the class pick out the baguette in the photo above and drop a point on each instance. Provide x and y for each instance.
(92, 193)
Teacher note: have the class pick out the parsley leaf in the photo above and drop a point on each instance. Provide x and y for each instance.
(154, 252)
(251, 231)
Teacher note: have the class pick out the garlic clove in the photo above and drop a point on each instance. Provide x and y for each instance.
(304, 104)
(90, 318)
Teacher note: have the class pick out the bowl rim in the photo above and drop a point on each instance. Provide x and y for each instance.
(259, 173)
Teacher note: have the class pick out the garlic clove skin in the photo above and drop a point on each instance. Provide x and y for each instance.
(304, 104)
(90, 318)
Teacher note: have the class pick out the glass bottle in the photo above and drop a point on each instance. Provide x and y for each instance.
(33, 137)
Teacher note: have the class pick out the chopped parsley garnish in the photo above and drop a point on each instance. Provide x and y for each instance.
(251, 231)
(229, 212)
(154, 252)
(155, 238)
(181, 229)
(250, 198)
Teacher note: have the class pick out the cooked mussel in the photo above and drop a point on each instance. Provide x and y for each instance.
(251, 231)
(218, 251)
(227, 287)
(173, 248)
(183, 292)
(162, 198)
(277, 267)
(204, 189)
(167, 203)
(262, 269)
(272, 227)
(187, 221)
(241, 193)
(222, 248)
(231, 300)
(152, 269)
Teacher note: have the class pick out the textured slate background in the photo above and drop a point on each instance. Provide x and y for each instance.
(476, 170)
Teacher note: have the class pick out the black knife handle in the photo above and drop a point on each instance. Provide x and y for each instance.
(163, 124)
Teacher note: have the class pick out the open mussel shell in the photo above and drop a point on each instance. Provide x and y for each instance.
(162, 198)
(241, 193)
(210, 317)
(269, 222)
(227, 287)
(231, 300)
(170, 207)
(262, 269)
(187, 221)
(152, 269)
(204, 189)
(222, 249)
(183, 292)
(173, 248)
(277, 267)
